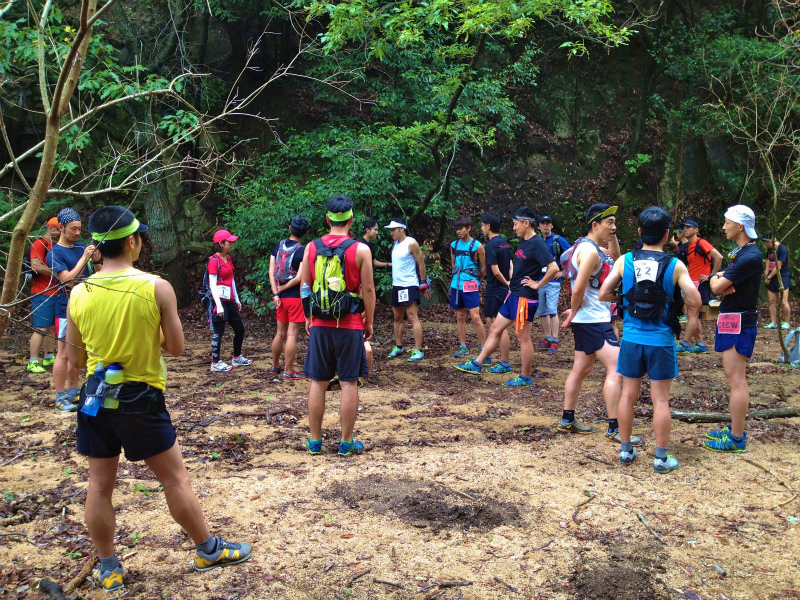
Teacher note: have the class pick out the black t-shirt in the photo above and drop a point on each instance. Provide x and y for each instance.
(745, 274)
(297, 260)
(498, 252)
(530, 260)
(783, 256)
(371, 247)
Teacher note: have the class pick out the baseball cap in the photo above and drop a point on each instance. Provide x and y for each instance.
(766, 236)
(53, 222)
(223, 235)
(544, 218)
(743, 215)
(395, 224)
(690, 223)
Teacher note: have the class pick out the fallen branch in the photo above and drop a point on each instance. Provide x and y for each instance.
(781, 481)
(52, 589)
(82, 574)
(650, 529)
(600, 460)
(582, 504)
(720, 417)
(358, 576)
(544, 546)
(392, 583)
(512, 588)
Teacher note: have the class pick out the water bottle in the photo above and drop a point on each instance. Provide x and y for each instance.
(114, 374)
(305, 290)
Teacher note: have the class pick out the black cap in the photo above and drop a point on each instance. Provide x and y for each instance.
(690, 223)
(544, 218)
(766, 236)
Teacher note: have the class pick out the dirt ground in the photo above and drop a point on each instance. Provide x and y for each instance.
(469, 492)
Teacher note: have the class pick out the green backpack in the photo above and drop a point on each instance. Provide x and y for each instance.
(326, 303)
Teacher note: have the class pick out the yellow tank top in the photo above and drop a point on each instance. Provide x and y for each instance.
(120, 322)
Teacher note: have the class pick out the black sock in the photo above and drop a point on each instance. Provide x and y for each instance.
(613, 425)
(568, 416)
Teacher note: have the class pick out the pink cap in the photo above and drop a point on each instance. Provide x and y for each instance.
(224, 236)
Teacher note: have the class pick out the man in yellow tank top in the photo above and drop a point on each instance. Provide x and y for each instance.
(126, 317)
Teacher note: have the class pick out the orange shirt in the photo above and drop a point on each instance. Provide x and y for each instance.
(40, 283)
(699, 265)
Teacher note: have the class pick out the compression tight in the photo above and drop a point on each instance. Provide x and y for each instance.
(219, 330)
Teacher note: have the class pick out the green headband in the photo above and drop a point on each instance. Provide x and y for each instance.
(343, 216)
(610, 211)
(116, 234)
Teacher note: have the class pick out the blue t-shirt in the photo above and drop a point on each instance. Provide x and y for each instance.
(562, 242)
(61, 258)
(647, 332)
(465, 257)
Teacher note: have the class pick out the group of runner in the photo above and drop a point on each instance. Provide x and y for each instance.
(117, 321)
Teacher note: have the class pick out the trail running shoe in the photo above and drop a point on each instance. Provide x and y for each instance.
(785, 326)
(313, 446)
(698, 348)
(48, 362)
(471, 367)
(683, 319)
(718, 434)
(109, 580)
(543, 345)
(665, 466)
(626, 458)
(499, 369)
(241, 361)
(65, 405)
(684, 348)
(35, 367)
(292, 376)
(461, 352)
(220, 367)
(360, 383)
(518, 381)
(273, 370)
(226, 553)
(396, 351)
(770, 326)
(351, 447)
(416, 355)
(553, 348)
(574, 427)
(613, 436)
(726, 444)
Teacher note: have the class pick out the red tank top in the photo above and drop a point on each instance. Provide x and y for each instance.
(352, 278)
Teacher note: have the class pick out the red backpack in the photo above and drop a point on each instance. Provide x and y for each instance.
(570, 272)
(284, 269)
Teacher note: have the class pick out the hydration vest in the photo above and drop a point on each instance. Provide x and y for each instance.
(284, 269)
(458, 267)
(326, 302)
(642, 293)
(595, 281)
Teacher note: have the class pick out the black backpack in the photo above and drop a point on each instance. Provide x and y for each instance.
(642, 292)
(683, 252)
(206, 299)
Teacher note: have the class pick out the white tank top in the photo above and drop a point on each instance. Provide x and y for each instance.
(404, 265)
(592, 310)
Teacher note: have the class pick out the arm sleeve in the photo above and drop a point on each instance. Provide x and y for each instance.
(235, 293)
(212, 283)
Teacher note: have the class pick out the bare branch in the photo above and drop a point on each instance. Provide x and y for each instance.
(41, 56)
(7, 7)
(11, 151)
(14, 211)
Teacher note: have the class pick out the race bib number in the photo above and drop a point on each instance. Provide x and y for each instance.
(471, 286)
(402, 296)
(646, 270)
(224, 292)
(696, 285)
(729, 323)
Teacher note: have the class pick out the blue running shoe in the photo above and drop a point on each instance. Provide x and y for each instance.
(543, 345)
(500, 369)
(416, 355)
(470, 367)
(665, 466)
(109, 580)
(684, 348)
(396, 351)
(718, 434)
(553, 348)
(519, 381)
(461, 352)
(351, 447)
(226, 553)
(726, 444)
(698, 348)
(314, 446)
(626, 458)
(488, 361)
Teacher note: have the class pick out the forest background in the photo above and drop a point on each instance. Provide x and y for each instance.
(201, 115)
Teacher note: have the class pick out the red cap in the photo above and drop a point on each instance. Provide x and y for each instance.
(53, 222)
(224, 236)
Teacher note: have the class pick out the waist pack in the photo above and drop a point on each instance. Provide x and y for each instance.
(330, 299)
(131, 397)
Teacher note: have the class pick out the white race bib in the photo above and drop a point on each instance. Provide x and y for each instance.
(645, 270)
(224, 292)
(402, 295)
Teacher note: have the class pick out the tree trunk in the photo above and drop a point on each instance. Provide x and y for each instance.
(720, 417)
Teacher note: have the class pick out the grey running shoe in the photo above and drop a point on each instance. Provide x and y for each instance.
(626, 458)
(665, 466)
(226, 553)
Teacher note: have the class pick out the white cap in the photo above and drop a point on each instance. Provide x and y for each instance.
(743, 215)
(395, 225)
